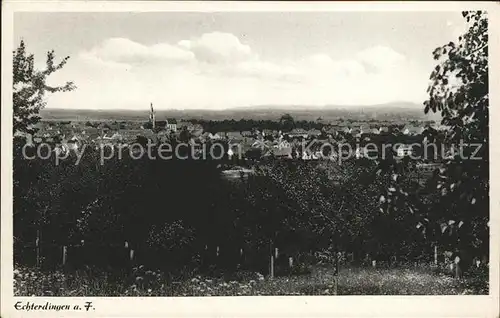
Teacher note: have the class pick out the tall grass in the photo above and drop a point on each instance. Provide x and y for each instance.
(351, 281)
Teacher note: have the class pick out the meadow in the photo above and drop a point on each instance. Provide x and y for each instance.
(317, 280)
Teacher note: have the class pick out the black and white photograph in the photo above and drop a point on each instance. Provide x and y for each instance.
(244, 153)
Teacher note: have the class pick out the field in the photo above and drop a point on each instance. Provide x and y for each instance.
(318, 281)
(395, 113)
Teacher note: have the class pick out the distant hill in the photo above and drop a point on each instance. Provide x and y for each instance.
(403, 111)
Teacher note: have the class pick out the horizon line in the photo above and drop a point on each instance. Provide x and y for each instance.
(236, 108)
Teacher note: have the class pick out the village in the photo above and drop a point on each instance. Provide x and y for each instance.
(335, 139)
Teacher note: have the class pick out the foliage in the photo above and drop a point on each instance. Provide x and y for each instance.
(284, 123)
(172, 236)
(464, 181)
(453, 208)
(287, 122)
(30, 86)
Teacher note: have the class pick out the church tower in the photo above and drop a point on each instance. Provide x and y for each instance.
(152, 116)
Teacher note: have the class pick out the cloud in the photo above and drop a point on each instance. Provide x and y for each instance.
(121, 50)
(218, 47)
(323, 65)
(380, 58)
(217, 70)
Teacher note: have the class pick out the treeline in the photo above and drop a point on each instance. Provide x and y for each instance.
(241, 125)
(179, 214)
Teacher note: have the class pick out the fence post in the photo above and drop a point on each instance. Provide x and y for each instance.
(271, 275)
(290, 262)
(435, 255)
(336, 274)
(64, 255)
(458, 270)
(271, 259)
(336, 285)
(37, 244)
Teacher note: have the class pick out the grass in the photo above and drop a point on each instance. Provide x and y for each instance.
(320, 281)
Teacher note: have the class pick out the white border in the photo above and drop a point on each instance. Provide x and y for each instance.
(262, 306)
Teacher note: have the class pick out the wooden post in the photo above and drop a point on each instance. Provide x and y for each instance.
(37, 244)
(64, 254)
(290, 262)
(335, 285)
(336, 273)
(458, 270)
(271, 272)
(126, 253)
(435, 255)
(394, 260)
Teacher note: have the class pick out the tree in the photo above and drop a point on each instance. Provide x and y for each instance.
(459, 89)
(287, 122)
(30, 86)
(455, 213)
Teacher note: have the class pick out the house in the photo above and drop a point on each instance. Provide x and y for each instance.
(185, 125)
(348, 130)
(279, 153)
(404, 151)
(261, 143)
(268, 132)
(314, 133)
(197, 132)
(297, 133)
(281, 144)
(330, 131)
(215, 136)
(72, 145)
(234, 136)
(204, 136)
(358, 132)
(363, 152)
(412, 129)
(171, 124)
(306, 155)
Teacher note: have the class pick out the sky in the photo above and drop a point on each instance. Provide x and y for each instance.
(193, 60)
